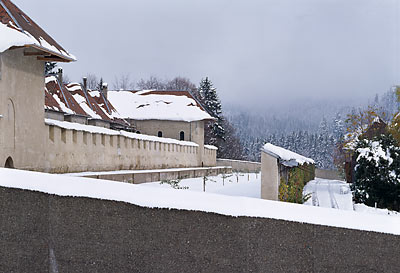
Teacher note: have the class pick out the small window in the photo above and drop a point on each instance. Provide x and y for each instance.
(51, 133)
(137, 132)
(74, 136)
(159, 134)
(182, 135)
(64, 135)
(9, 163)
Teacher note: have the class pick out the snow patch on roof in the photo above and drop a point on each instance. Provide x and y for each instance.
(73, 87)
(287, 158)
(10, 37)
(144, 105)
(84, 105)
(62, 105)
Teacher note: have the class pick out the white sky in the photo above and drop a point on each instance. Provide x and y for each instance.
(256, 52)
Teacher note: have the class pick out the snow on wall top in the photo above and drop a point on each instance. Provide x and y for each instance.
(287, 158)
(17, 29)
(196, 201)
(210, 147)
(105, 131)
(158, 105)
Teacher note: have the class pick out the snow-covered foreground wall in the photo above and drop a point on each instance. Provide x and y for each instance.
(68, 233)
(187, 200)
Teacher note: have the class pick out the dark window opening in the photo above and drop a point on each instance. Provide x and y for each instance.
(9, 163)
(137, 132)
(182, 135)
(159, 134)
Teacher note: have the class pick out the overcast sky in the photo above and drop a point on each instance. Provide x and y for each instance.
(257, 52)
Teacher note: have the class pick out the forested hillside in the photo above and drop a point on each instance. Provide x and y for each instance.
(312, 131)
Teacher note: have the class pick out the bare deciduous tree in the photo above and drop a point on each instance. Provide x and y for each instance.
(92, 81)
(66, 79)
(123, 82)
(181, 84)
(153, 83)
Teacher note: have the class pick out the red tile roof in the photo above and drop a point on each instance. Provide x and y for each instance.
(16, 19)
(71, 99)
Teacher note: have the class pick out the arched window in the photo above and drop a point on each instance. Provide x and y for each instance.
(9, 163)
(182, 135)
(159, 134)
(137, 132)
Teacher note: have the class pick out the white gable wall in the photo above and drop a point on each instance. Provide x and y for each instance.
(22, 129)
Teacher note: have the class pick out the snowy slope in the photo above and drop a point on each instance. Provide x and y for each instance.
(197, 201)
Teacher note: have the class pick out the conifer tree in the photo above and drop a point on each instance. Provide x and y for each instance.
(49, 68)
(208, 96)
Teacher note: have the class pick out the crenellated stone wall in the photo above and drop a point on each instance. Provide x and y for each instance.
(69, 150)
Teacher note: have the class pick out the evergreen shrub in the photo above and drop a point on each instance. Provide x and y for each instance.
(292, 189)
(377, 172)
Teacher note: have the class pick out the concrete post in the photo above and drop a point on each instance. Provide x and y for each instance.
(270, 177)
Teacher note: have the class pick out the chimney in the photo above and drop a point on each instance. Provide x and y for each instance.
(104, 90)
(60, 75)
(84, 84)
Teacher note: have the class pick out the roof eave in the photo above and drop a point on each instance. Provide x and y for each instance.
(62, 57)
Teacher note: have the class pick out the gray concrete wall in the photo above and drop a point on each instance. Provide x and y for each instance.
(138, 177)
(270, 177)
(240, 165)
(46, 233)
(328, 174)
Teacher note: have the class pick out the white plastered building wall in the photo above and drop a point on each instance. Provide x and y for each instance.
(22, 129)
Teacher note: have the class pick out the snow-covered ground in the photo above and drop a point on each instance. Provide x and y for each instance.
(157, 197)
(324, 193)
(236, 184)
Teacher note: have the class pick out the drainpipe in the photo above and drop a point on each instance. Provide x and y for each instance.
(104, 94)
(60, 85)
(85, 92)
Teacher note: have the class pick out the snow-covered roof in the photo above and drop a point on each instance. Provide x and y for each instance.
(286, 157)
(158, 105)
(58, 98)
(71, 99)
(17, 29)
(195, 201)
